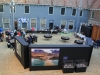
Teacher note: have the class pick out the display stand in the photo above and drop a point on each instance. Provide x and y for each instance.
(22, 51)
(68, 66)
(81, 66)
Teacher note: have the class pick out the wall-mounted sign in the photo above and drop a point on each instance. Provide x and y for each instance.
(23, 20)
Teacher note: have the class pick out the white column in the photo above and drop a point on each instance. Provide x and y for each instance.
(79, 8)
(12, 8)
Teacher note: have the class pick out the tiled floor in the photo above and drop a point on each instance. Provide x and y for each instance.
(9, 64)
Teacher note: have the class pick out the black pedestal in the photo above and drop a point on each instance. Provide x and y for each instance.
(80, 69)
(68, 66)
(68, 70)
(81, 66)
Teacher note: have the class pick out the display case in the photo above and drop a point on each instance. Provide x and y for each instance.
(68, 66)
(81, 66)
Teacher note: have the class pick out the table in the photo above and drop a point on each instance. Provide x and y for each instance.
(78, 41)
(48, 36)
(65, 38)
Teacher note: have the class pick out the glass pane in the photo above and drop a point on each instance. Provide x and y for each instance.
(50, 10)
(42, 25)
(74, 12)
(70, 26)
(33, 20)
(33, 24)
(5, 20)
(6, 25)
(11, 9)
(62, 26)
(1, 8)
(24, 25)
(92, 14)
(62, 11)
(26, 9)
(81, 13)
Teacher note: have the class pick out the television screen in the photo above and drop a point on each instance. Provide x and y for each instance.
(18, 48)
(44, 56)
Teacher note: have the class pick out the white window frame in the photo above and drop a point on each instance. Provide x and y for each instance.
(92, 15)
(30, 23)
(3, 8)
(40, 23)
(48, 10)
(61, 24)
(72, 12)
(60, 11)
(21, 25)
(73, 25)
(24, 9)
(82, 13)
(14, 8)
(3, 22)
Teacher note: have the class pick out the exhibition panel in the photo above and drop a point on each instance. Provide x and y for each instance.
(46, 57)
(22, 51)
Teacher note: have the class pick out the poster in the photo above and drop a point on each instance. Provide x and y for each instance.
(44, 57)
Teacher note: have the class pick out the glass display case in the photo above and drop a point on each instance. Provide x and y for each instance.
(81, 66)
(68, 66)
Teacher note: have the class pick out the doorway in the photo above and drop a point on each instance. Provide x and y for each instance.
(50, 26)
(16, 25)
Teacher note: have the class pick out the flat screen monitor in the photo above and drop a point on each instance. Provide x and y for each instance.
(44, 56)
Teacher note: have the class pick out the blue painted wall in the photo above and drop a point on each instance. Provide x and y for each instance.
(40, 12)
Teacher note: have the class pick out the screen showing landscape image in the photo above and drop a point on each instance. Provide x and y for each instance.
(44, 57)
(18, 48)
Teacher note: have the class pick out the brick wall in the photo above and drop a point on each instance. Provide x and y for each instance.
(95, 19)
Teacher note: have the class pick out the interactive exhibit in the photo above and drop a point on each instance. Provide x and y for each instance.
(53, 57)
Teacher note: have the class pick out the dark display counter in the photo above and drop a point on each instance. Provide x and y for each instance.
(22, 51)
(52, 56)
(45, 57)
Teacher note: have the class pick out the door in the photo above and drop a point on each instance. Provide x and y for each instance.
(16, 25)
(50, 26)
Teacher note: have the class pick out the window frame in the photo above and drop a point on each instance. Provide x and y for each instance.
(61, 24)
(40, 23)
(3, 22)
(3, 8)
(52, 12)
(72, 11)
(30, 23)
(14, 8)
(61, 11)
(92, 14)
(73, 25)
(80, 13)
(29, 9)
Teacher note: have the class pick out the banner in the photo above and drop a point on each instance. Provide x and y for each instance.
(23, 20)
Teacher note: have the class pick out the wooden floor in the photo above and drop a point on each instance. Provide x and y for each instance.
(9, 64)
